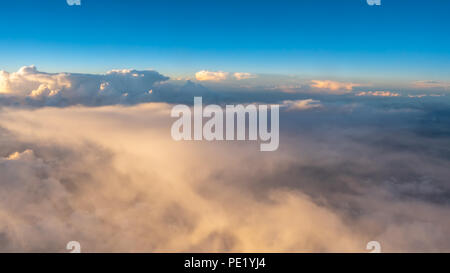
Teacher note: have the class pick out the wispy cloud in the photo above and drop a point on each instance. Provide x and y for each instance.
(431, 84)
(243, 75)
(217, 76)
(378, 94)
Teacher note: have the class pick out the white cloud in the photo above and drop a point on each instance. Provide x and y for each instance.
(113, 179)
(243, 75)
(206, 75)
(298, 105)
(216, 76)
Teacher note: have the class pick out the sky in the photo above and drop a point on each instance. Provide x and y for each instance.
(401, 40)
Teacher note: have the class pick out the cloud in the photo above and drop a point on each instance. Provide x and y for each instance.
(206, 75)
(217, 76)
(25, 155)
(431, 84)
(378, 94)
(334, 85)
(243, 75)
(30, 86)
(86, 188)
(112, 178)
(298, 105)
(29, 79)
(417, 96)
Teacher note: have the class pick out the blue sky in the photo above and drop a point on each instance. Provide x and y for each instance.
(399, 40)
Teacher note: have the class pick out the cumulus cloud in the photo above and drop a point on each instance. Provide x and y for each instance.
(424, 95)
(431, 84)
(378, 94)
(31, 86)
(417, 96)
(109, 202)
(206, 75)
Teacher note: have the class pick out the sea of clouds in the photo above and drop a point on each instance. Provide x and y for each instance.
(349, 170)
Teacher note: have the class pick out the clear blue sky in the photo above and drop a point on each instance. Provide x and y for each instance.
(348, 38)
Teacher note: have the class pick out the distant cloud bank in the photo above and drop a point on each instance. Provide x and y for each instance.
(33, 88)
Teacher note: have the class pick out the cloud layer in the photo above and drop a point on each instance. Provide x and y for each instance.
(120, 183)
(350, 169)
